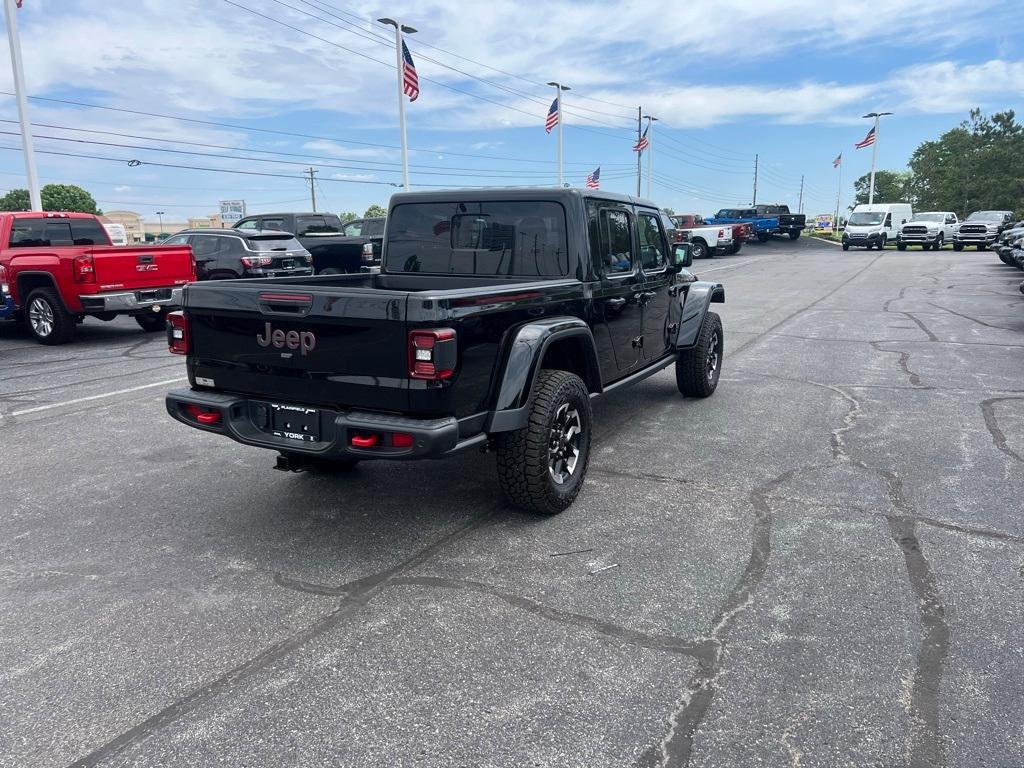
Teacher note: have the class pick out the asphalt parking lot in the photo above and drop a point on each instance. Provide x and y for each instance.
(821, 565)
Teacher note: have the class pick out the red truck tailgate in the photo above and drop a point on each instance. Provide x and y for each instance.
(150, 266)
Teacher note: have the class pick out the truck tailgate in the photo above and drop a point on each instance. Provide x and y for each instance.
(152, 266)
(338, 347)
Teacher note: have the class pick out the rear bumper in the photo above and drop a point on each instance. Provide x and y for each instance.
(245, 420)
(132, 301)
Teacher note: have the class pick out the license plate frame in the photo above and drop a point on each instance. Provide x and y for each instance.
(295, 422)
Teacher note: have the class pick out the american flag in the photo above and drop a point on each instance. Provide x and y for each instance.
(552, 120)
(410, 80)
(643, 143)
(838, 161)
(594, 179)
(868, 140)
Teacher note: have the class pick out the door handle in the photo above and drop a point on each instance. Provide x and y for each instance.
(616, 303)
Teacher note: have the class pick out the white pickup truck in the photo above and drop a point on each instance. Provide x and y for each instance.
(705, 241)
(931, 229)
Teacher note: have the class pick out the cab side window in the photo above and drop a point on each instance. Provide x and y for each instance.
(249, 224)
(653, 256)
(616, 246)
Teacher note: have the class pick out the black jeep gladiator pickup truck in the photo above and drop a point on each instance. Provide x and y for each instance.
(789, 223)
(496, 317)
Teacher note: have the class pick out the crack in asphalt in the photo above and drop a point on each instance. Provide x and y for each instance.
(988, 412)
(361, 591)
(700, 648)
(903, 362)
(972, 319)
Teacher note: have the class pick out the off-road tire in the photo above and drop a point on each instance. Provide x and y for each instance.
(693, 375)
(61, 322)
(524, 454)
(152, 321)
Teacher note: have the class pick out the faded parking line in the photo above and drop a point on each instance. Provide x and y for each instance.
(78, 400)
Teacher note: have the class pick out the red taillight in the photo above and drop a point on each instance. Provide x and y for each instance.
(177, 333)
(401, 440)
(432, 354)
(721, 233)
(368, 253)
(85, 269)
(3, 281)
(256, 261)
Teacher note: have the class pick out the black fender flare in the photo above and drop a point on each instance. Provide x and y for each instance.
(47, 277)
(694, 300)
(522, 364)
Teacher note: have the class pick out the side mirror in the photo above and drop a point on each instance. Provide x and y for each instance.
(682, 257)
(903, 222)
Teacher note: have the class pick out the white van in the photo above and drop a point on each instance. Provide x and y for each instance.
(118, 234)
(870, 226)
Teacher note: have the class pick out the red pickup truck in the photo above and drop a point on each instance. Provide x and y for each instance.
(741, 233)
(61, 267)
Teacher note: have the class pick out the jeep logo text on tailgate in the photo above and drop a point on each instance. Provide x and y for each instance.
(304, 340)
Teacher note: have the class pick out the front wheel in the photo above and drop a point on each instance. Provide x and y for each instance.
(982, 247)
(846, 246)
(939, 243)
(958, 246)
(47, 319)
(901, 246)
(152, 322)
(541, 467)
(698, 368)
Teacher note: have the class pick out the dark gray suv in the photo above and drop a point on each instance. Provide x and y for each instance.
(225, 254)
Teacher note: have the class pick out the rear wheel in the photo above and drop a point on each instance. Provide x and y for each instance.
(329, 271)
(794, 234)
(541, 467)
(47, 319)
(698, 250)
(152, 322)
(736, 246)
(762, 237)
(698, 368)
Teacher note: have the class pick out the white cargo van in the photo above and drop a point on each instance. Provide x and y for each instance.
(871, 226)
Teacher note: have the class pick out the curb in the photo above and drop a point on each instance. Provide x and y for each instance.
(823, 240)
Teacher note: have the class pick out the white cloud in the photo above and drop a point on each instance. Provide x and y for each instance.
(122, 188)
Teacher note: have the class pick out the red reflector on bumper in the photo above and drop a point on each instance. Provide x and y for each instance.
(401, 440)
(365, 441)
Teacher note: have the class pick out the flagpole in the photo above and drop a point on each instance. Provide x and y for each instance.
(650, 151)
(839, 192)
(559, 89)
(11, 11)
(399, 29)
(639, 152)
(874, 152)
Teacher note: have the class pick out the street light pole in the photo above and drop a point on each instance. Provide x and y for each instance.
(160, 215)
(399, 29)
(874, 152)
(650, 150)
(559, 89)
(11, 13)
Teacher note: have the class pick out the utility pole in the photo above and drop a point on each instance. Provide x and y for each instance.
(650, 151)
(754, 201)
(839, 194)
(160, 215)
(639, 136)
(559, 89)
(399, 29)
(312, 186)
(27, 148)
(874, 152)
(800, 206)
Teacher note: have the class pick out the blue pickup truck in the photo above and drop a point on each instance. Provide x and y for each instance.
(764, 226)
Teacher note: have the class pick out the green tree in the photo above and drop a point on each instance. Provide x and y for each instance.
(55, 197)
(15, 200)
(975, 166)
(890, 187)
(668, 211)
(375, 211)
(347, 216)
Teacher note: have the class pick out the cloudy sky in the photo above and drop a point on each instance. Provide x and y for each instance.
(246, 93)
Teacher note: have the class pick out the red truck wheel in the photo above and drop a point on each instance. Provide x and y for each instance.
(47, 319)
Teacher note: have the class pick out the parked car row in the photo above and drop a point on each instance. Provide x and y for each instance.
(874, 226)
(1010, 246)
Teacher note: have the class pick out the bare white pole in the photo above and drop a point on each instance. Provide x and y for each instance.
(650, 151)
(399, 29)
(11, 12)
